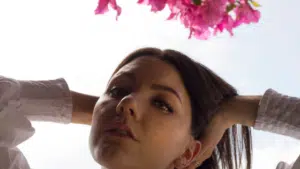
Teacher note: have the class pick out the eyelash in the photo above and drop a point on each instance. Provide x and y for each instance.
(161, 104)
(117, 89)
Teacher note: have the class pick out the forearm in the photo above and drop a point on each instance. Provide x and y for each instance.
(243, 110)
(83, 106)
(52, 100)
(272, 112)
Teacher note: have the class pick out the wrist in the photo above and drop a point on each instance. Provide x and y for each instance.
(83, 106)
(243, 110)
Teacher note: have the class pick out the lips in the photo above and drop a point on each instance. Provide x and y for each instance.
(120, 130)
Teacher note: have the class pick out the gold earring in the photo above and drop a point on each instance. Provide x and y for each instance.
(198, 164)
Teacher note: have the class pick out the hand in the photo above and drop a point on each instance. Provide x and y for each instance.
(214, 133)
(238, 110)
(212, 136)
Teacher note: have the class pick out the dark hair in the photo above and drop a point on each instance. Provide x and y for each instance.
(206, 91)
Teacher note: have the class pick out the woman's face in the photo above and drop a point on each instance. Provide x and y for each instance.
(143, 119)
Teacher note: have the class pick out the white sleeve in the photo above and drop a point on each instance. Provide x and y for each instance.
(278, 113)
(284, 165)
(296, 165)
(22, 101)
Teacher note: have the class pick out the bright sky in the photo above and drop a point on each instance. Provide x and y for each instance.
(42, 39)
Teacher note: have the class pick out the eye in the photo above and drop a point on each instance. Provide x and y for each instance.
(117, 92)
(163, 105)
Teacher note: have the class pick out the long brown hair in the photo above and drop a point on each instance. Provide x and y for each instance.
(206, 91)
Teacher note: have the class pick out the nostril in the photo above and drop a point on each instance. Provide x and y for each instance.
(131, 112)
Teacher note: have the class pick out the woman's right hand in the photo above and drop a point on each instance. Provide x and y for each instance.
(213, 134)
(238, 110)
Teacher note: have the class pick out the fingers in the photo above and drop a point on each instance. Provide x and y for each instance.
(213, 133)
(206, 153)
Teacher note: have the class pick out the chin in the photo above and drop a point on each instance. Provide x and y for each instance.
(102, 152)
(113, 153)
(114, 162)
(111, 157)
(106, 154)
(102, 158)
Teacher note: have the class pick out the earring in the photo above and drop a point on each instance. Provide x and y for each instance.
(198, 164)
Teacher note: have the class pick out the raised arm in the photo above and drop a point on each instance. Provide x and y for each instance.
(83, 106)
(273, 112)
(24, 101)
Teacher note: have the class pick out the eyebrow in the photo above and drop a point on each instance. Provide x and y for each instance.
(166, 88)
(128, 75)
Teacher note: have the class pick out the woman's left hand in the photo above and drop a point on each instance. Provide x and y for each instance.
(83, 106)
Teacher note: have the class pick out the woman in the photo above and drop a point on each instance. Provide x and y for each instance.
(160, 110)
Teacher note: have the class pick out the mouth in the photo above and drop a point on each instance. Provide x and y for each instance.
(122, 131)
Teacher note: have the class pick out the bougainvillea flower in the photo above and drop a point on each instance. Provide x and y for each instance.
(202, 17)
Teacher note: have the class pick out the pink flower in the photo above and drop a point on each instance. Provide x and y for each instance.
(246, 14)
(200, 33)
(212, 11)
(199, 19)
(227, 23)
(103, 7)
(156, 5)
(203, 18)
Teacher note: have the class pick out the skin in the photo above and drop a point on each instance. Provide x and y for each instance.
(159, 119)
(238, 110)
(83, 106)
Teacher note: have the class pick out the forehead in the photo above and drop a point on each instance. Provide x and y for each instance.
(150, 70)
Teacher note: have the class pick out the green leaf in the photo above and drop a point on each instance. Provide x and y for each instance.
(256, 4)
(197, 2)
(230, 7)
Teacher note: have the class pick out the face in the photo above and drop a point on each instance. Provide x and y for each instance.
(143, 119)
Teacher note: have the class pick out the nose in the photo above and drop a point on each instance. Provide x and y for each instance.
(127, 108)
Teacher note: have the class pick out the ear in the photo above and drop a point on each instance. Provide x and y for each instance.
(189, 155)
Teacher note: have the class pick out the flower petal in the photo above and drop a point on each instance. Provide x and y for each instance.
(103, 7)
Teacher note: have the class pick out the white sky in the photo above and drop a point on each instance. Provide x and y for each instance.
(42, 39)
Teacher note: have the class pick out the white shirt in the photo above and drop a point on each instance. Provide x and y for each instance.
(25, 101)
(41, 101)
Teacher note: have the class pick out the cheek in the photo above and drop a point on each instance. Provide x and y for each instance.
(104, 110)
(167, 139)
